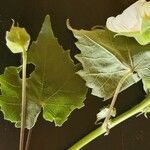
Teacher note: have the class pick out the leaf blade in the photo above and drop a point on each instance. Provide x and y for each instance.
(53, 86)
(109, 57)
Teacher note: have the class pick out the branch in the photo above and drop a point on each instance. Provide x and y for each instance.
(101, 130)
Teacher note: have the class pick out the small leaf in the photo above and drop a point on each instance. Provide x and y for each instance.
(145, 111)
(53, 86)
(103, 113)
(106, 60)
(146, 84)
(17, 39)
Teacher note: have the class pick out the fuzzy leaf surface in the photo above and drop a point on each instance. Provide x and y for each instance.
(52, 87)
(107, 59)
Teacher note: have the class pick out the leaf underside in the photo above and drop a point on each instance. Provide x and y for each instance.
(52, 87)
(106, 59)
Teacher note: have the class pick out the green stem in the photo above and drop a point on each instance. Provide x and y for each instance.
(28, 139)
(101, 130)
(24, 102)
(123, 79)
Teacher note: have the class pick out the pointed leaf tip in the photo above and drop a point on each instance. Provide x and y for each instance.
(53, 86)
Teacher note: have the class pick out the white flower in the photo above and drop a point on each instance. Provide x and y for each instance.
(133, 22)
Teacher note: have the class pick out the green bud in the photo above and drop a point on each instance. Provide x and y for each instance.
(17, 39)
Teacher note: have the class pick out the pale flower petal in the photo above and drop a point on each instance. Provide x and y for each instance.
(145, 10)
(130, 20)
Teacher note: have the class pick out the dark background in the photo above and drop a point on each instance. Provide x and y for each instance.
(133, 134)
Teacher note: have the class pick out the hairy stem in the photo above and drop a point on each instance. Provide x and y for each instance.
(24, 102)
(106, 121)
(101, 130)
(28, 139)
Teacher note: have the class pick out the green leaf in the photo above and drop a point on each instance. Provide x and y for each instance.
(146, 84)
(107, 59)
(17, 39)
(10, 100)
(52, 87)
(143, 37)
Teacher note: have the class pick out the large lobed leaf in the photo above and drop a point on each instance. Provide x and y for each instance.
(53, 86)
(106, 59)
